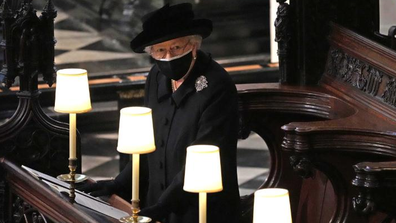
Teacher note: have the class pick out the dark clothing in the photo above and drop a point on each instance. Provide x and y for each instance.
(188, 117)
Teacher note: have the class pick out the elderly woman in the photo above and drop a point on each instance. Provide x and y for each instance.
(193, 101)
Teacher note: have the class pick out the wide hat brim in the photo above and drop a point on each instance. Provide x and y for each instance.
(166, 28)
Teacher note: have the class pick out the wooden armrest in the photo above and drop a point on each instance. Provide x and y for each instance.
(375, 174)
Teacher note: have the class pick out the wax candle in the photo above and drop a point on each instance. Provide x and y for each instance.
(72, 136)
(135, 176)
(202, 207)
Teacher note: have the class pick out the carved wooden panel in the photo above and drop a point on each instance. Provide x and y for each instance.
(360, 73)
(30, 137)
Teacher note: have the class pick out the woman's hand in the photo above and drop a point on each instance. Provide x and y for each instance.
(100, 188)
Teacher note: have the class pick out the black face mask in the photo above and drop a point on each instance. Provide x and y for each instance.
(175, 68)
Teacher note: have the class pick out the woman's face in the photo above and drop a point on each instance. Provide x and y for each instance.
(172, 48)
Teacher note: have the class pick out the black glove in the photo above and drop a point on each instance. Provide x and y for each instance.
(156, 212)
(100, 188)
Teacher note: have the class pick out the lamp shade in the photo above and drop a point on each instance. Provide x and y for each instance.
(136, 134)
(203, 169)
(72, 91)
(271, 205)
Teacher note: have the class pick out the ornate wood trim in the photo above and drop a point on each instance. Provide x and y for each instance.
(376, 182)
(355, 62)
(302, 166)
(283, 35)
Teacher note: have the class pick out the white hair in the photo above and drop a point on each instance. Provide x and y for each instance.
(194, 39)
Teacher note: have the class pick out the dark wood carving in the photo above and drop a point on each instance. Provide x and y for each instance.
(283, 35)
(302, 165)
(23, 212)
(376, 183)
(24, 34)
(30, 137)
(359, 73)
(362, 75)
(347, 119)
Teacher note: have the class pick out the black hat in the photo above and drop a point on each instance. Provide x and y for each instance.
(170, 22)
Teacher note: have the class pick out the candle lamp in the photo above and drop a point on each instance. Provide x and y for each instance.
(272, 205)
(72, 96)
(135, 137)
(203, 174)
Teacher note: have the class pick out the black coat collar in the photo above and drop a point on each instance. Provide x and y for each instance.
(188, 86)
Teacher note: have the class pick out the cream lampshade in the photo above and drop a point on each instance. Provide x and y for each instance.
(203, 174)
(203, 170)
(72, 91)
(135, 137)
(271, 205)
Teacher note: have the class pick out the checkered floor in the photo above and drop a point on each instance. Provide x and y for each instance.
(79, 45)
(99, 42)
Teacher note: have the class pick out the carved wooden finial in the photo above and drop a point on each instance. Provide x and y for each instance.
(283, 33)
(5, 10)
(49, 10)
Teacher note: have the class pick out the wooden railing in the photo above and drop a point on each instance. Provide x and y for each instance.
(34, 201)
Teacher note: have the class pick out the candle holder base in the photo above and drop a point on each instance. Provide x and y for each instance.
(139, 219)
(67, 178)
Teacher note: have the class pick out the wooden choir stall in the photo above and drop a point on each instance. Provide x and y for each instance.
(330, 124)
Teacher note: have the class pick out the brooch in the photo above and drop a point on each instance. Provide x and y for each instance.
(201, 83)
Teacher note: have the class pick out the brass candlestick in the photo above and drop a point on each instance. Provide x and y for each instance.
(72, 168)
(135, 218)
(135, 209)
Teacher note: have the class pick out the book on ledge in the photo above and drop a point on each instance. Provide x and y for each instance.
(82, 198)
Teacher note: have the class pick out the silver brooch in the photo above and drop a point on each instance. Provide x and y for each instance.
(201, 83)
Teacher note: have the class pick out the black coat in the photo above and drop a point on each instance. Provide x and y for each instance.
(188, 117)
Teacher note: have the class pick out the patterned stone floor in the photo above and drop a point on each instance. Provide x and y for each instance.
(97, 38)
